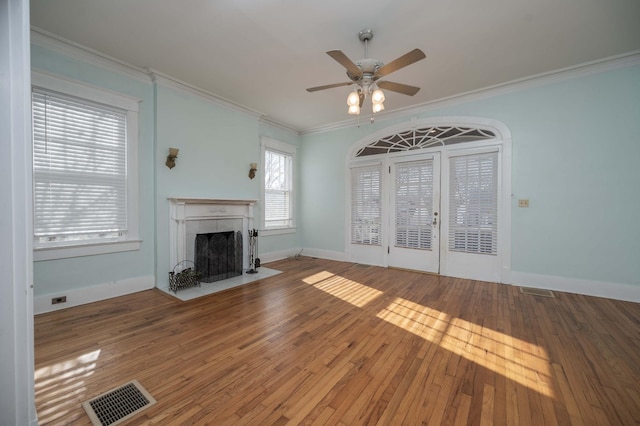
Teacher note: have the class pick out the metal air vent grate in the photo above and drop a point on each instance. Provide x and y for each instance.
(117, 405)
(537, 292)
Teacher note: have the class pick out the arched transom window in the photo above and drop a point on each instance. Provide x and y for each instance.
(424, 137)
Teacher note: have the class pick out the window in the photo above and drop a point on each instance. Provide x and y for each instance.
(278, 195)
(366, 205)
(84, 162)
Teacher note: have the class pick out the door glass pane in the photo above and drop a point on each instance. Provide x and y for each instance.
(366, 205)
(414, 204)
(473, 203)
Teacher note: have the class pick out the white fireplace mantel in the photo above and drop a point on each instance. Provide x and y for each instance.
(182, 210)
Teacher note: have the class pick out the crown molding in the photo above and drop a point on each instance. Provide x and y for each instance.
(50, 41)
(165, 80)
(71, 49)
(276, 124)
(588, 68)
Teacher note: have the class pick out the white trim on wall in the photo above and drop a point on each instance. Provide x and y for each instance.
(326, 254)
(82, 296)
(130, 104)
(272, 256)
(77, 51)
(618, 291)
(271, 144)
(74, 50)
(594, 67)
(17, 397)
(165, 80)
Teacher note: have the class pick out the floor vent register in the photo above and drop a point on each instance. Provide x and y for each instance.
(119, 404)
(537, 291)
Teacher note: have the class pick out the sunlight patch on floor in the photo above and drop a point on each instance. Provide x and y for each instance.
(345, 289)
(61, 385)
(516, 359)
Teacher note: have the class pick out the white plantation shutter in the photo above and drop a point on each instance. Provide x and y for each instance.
(366, 205)
(80, 169)
(278, 189)
(414, 204)
(473, 203)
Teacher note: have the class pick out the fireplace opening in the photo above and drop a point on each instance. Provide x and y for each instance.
(218, 255)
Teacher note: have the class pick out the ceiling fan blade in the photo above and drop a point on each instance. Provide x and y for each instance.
(405, 89)
(342, 59)
(407, 59)
(328, 86)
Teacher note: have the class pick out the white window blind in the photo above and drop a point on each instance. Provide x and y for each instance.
(414, 204)
(366, 205)
(278, 189)
(80, 169)
(473, 203)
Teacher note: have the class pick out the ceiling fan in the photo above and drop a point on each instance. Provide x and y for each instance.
(365, 74)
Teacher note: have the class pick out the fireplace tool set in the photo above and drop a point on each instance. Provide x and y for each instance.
(254, 260)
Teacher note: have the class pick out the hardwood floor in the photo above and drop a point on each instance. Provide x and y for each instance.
(333, 343)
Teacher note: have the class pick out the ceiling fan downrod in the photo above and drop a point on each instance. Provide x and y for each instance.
(365, 36)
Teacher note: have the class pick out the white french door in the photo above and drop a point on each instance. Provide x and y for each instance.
(414, 214)
(443, 213)
(438, 211)
(472, 202)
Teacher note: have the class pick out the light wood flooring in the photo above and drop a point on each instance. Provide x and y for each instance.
(334, 343)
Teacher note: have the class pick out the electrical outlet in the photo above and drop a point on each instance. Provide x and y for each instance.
(523, 203)
(61, 299)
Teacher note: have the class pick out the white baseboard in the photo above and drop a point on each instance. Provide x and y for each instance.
(272, 256)
(325, 254)
(284, 254)
(618, 291)
(81, 296)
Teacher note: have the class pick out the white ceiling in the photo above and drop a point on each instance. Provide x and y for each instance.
(263, 54)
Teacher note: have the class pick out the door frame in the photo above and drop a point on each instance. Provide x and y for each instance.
(502, 138)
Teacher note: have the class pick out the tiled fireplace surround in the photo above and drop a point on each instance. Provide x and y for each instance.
(191, 216)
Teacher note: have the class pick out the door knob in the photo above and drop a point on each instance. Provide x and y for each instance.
(435, 218)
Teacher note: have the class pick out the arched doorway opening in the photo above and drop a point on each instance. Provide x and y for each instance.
(434, 196)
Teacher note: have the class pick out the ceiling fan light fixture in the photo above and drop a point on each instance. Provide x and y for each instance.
(365, 74)
(354, 109)
(353, 99)
(377, 96)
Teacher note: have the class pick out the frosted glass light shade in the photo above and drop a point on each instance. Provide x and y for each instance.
(353, 99)
(377, 96)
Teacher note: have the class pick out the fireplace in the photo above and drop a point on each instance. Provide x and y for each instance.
(218, 255)
(211, 234)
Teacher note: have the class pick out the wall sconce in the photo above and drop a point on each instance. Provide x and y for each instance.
(253, 168)
(171, 158)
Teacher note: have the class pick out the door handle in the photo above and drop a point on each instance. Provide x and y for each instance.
(435, 218)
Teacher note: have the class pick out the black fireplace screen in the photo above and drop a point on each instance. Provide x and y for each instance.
(218, 255)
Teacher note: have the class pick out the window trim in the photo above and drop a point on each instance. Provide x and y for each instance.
(131, 241)
(285, 148)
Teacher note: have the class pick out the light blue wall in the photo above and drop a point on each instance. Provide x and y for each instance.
(575, 151)
(216, 143)
(576, 145)
(56, 276)
(216, 146)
